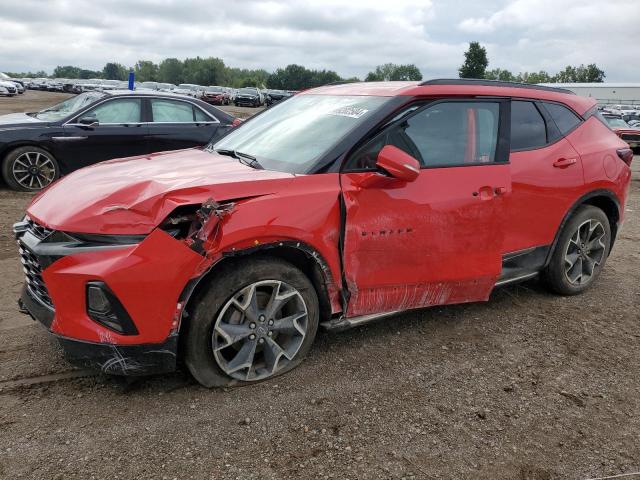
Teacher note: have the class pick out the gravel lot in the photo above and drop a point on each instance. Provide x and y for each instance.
(527, 386)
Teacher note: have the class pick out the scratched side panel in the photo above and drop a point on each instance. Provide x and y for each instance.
(429, 242)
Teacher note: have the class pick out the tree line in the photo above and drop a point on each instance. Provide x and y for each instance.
(476, 63)
(213, 71)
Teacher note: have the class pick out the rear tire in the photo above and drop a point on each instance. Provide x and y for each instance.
(29, 169)
(581, 252)
(254, 320)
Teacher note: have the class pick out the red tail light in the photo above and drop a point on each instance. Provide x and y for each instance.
(237, 121)
(626, 155)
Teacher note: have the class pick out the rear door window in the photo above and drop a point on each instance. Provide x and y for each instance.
(528, 130)
(172, 111)
(201, 116)
(564, 118)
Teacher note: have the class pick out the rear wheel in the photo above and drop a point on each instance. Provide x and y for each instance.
(581, 252)
(256, 319)
(29, 169)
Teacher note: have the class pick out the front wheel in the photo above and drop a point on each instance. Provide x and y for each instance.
(29, 169)
(255, 319)
(581, 252)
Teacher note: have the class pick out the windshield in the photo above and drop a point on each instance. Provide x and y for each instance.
(214, 89)
(69, 106)
(616, 122)
(293, 135)
(251, 91)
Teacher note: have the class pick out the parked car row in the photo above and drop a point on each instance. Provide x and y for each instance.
(213, 94)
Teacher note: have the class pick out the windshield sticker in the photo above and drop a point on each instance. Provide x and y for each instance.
(349, 111)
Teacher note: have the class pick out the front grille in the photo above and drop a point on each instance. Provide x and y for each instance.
(630, 136)
(33, 275)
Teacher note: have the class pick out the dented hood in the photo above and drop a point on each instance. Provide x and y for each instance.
(133, 195)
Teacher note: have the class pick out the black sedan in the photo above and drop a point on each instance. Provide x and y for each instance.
(249, 96)
(36, 148)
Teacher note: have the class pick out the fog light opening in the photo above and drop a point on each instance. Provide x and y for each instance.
(104, 308)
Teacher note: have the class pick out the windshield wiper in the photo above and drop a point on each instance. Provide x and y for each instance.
(244, 158)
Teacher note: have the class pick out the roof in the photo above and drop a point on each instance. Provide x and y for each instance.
(457, 87)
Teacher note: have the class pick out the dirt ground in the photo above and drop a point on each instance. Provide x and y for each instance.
(528, 386)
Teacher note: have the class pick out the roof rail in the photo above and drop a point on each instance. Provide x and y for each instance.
(493, 83)
(341, 82)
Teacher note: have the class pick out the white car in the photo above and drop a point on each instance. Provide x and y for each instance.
(624, 109)
(17, 83)
(190, 89)
(8, 89)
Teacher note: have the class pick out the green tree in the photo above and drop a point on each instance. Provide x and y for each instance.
(67, 71)
(204, 71)
(535, 77)
(297, 77)
(500, 74)
(115, 71)
(170, 70)
(475, 62)
(581, 74)
(38, 74)
(237, 77)
(146, 71)
(292, 77)
(406, 72)
(391, 71)
(88, 74)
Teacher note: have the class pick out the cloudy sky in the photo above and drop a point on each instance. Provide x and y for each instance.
(349, 36)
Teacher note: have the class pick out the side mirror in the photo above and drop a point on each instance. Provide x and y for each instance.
(89, 121)
(398, 164)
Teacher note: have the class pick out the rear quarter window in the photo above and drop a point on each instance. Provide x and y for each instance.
(564, 118)
(528, 130)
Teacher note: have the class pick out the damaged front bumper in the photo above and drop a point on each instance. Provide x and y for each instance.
(145, 276)
(130, 360)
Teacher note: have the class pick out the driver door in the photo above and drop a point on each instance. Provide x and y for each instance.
(438, 239)
(120, 132)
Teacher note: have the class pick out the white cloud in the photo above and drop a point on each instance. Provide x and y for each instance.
(528, 35)
(349, 37)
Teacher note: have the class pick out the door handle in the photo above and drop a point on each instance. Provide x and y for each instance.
(485, 193)
(564, 162)
(500, 190)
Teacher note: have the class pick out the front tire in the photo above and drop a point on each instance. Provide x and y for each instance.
(254, 320)
(29, 169)
(581, 252)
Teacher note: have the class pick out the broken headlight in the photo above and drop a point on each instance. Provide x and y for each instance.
(178, 224)
(195, 223)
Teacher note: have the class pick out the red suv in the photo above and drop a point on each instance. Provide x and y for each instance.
(342, 204)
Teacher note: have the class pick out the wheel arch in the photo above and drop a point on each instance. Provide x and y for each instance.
(301, 255)
(10, 147)
(605, 200)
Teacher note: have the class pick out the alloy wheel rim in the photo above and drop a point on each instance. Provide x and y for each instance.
(259, 330)
(584, 252)
(33, 170)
